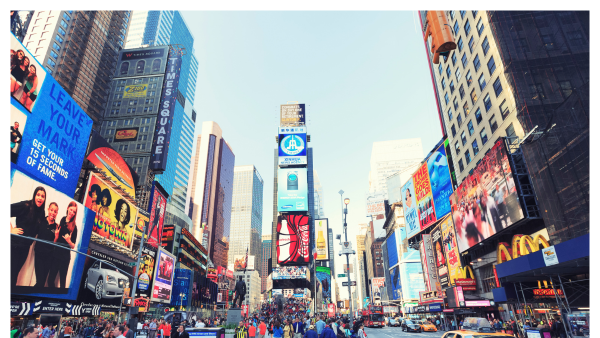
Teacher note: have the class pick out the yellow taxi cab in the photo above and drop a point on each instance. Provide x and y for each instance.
(426, 326)
(474, 327)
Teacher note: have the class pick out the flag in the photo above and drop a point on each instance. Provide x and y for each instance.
(314, 252)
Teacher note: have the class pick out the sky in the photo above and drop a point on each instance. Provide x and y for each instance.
(363, 76)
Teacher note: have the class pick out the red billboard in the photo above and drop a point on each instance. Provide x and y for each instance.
(158, 206)
(424, 196)
(293, 235)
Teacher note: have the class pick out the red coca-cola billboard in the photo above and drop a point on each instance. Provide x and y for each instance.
(293, 236)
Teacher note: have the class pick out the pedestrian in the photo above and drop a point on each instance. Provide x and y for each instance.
(277, 329)
(68, 330)
(30, 332)
(327, 331)
(181, 332)
(118, 332)
(320, 325)
(310, 333)
(153, 327)
(558, 328)
(262, 329)
(252, 331)
(361, 331)
(298, 328)
(241, 331)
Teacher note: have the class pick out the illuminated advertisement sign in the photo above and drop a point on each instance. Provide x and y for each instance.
(424, 197)
(450, 247)
(143, 54)
(145, 272)
(157, 209)
(292, 114)
(239, 262)
(292, 190)
(115, 215)
(290, 272)
(114, 167)
(324, 276)
(441, 184)
(162, 133)
(392, 250)
(126, 134)
(293, 236)
(429, 267)
(439, 257)
(321, 227)
(409, 202)
(163, 277)
(486, 201)
(40, 269)
(133, 91)
(292, 145)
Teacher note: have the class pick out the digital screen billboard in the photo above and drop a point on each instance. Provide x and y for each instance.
(115, 216)
(239, 262)
(157, 209)
(293, 236)
(145, 272)
(163, 277)
(324, 277)
(412, 273)
(409, 202)
(441, 184)
(38, 210)
(486, 201)
(451, 250)
(290, 272)
(424, 196)
(113, 166)
(126, 134)
(26, 74)
(292, 145)
(292, 114)
(429, 269)
(321, 227)
(396, 282)
(439, 257)
(292, 190)
(392, 250)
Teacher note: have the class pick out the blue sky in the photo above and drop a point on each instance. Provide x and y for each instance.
(362, 75)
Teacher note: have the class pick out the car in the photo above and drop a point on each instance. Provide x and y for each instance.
(426, 326)
(476, 327)
(410, 326)
(393, 323)
(105, 281)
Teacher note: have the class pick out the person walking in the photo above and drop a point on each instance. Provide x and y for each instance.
(320, 325)
(327, 331)
(298, 328)
(361, 331)
(277, 329)
(262, 329)
(153, 327)
(558, 328)
(241, 331)
(310, 333)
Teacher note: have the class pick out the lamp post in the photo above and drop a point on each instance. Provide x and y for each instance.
(346, 201)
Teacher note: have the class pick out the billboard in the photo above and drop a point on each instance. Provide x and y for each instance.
(395, 282)
(324, 276)
(409, 203)
(126, 134)
(429, 268)
(162, 133)
(322, 228)
(486, 201)
(145, 272)
(293, 236)
(239, 262)
(26, 75)
(290, 272)
(375, 204)
(18, 122)
(115, 215)
(133, 91)
(106, 278)
(181, 287)
(157, 209)
(392, 250)
(163, 277)
(292, 114)
(113, 167)
(292, 145)
(376, 284)
(439, 257)
(441, 184)
(424, 196)
(38, 210)
(292, 190)
(412, 273)
(450, 246)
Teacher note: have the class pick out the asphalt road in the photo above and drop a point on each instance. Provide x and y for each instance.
(396, 332)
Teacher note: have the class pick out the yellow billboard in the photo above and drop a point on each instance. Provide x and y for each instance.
(133, 91)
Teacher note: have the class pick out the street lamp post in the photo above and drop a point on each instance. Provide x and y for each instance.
(346, 201)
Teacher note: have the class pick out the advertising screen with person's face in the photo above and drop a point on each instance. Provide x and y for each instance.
(486, 202)
(163, 277)
(158, 206)
(40, 211)
(115, 216)
(410, 208)
(26, 74)
(451, 250)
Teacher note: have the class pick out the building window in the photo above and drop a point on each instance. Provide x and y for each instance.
(467, 156)
(152, 93)
(446, 98)
(457, 73)
(453, 131)
(443, 83)
(482, 82)
(463, 138)
(469, 78)
(493, 124)
(461, 91)
(141, 147)
(56, 46)
(148, 101)
(511, 134)
(448, 71)
(137, 81)
(146, 120)
(132, 102)
(475, 148)
(124, 68)
(497, 86)
(504, 109)
(480, 26)
(143, 138)
(130, 110)
(457, 148)
(466, 108)
(66, 17)
(485, 45)
(114, 111)
(459, 119)
(462, 14)
(128, 122)
(51, 63)
(456, 28)
(123, 147)
(59, 39)
(566, 88)
(156, 65)
(451, 86)
(470, 128)
(110, 131)
(473, 96)
(576, 38)
(455, 103)
(144, 129)
(61, 31)
(467, 28)
(147, 109)
(487, 103)
(478, 116)
(474, 14)
(483, 135)
(118, 96)
(450, 113)
(440, 68)
(117, 103)
(471, 44)
(454, 59)
(463, 60)
(460, 44)
(64, 24)
(547, 41)
(460, 165)
(476, 63)
(139, 67)
(491, 66)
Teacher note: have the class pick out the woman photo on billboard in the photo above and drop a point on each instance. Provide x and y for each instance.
(122, 217)
(95, 193)
(105, 201)
(28, 217)
(44, 253)
(30, 89)
(18, 70)
(66, 235)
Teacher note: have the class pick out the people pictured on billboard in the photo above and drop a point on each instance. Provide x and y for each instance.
(44, 252)
(123, 217)
(105, 201)
(19, 67)
(486, 202)
(30, 89)
(105, 281)
(165, 268)
(15, 138)
(66, 236)
(26, 75)
(94, 193)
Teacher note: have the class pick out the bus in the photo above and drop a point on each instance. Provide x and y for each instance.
(373, 316)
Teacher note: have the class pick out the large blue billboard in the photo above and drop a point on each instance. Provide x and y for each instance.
(392, 250)
(292, 145)
(395, 282)
(324, 277)
(441, 184)
(292, 190)
(411, 274)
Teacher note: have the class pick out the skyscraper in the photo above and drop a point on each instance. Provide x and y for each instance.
(155, 28)
(389, 157)
(319, 199)
(211, 191)
(264, 265)
(246, 214)
(80, 50)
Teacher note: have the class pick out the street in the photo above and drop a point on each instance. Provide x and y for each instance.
(393, 332)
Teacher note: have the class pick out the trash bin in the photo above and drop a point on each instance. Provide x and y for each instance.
(208, 332)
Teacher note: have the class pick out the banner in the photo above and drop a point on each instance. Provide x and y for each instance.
(323, 274)
(162, 133)
(293, 237)
(157, 209)
(439, 257)
(290, 272)
(115, 216)
(239, 262)
(409, 202)
(441, 184)
(322, 229)
(450, 250)
(429, 267)
(133, 91)
(163, 277)
(424, 197)
(126, 134)
(38, 210)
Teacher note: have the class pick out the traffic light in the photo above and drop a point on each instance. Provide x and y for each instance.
(442, 38)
